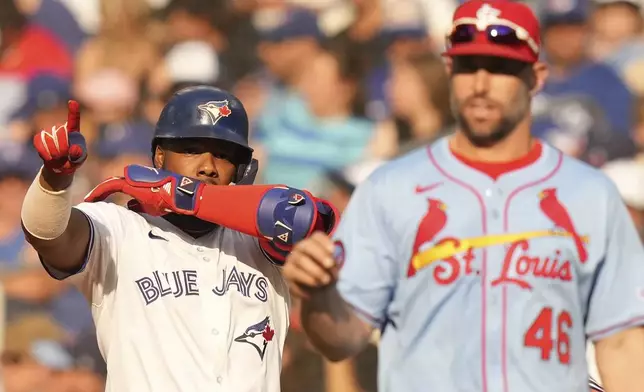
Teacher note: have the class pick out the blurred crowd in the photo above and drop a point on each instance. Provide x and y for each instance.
(333, 89)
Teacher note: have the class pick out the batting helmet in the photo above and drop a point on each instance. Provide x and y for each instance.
(207, 112)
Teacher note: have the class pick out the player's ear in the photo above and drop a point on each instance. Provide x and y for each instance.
(159, 157)
(540, 72)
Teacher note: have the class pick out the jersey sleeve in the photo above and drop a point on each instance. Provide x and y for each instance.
(367, 254)
(617, 299)
(98, 271)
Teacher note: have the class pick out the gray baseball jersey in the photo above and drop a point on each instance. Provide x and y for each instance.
(178, 314)
(485, 284)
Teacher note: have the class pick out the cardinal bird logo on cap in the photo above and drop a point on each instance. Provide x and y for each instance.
(211, 112)
(487, 15)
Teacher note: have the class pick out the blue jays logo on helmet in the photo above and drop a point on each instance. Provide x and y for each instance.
(258, 336)
(213, 111)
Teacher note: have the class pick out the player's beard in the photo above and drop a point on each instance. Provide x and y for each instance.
(510, 119)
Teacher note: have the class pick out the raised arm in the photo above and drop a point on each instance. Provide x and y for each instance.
(277, 215)
(59, 233)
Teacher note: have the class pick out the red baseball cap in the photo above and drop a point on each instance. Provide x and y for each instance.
(484, 13)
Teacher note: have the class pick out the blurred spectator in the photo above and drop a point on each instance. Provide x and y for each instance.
(18, 167)
(14, 92)
(324, 128)
(576, 125)
(628, 176)
(86, 353)
(404, 28)
(565, 33)
(44, 106)
(198, 20)
(187, 63)
(27, 49)
(111, 65)
(27, 289)
(35, 351)
(37, 337)
(238, 32)
(109, 96)
(417, 90)
(289, 39)
(120, 145)
(24, 374)
(614, 23)
(56, 18)
(403, 32)
(192, 62)
(618, 40)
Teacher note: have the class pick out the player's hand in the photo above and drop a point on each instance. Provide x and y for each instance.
(155, 191)
(311, 265)
(63, 148)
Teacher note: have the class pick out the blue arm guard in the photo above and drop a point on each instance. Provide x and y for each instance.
(287, 215)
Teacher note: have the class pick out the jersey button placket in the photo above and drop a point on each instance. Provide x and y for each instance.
(219, 304)
(205, 258)
(494, 200)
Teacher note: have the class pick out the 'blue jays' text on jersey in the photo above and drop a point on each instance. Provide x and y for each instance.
(485, 285)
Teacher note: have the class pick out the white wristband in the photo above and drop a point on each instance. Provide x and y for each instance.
(45, 214)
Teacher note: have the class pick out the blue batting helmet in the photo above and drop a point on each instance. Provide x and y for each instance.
(205, 112)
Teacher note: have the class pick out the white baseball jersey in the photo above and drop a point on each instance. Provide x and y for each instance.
(178, 314)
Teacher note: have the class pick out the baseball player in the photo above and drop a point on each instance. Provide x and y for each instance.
(488, 257)
(184, 284)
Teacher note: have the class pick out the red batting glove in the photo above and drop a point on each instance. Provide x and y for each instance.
(63, 149)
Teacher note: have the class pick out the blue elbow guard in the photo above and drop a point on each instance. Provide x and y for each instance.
(287, 215)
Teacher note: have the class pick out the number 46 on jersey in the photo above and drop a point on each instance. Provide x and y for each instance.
(549, 333)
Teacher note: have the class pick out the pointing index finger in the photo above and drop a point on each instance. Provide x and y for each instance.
(73, 116)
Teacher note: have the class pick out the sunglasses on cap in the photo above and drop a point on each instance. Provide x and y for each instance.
(501, 32)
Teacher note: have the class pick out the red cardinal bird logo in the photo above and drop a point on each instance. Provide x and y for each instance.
(431, 224)
(557, 213)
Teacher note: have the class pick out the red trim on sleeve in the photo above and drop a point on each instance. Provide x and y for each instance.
(633, 322)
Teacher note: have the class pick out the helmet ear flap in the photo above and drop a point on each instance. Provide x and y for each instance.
(247, 172)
